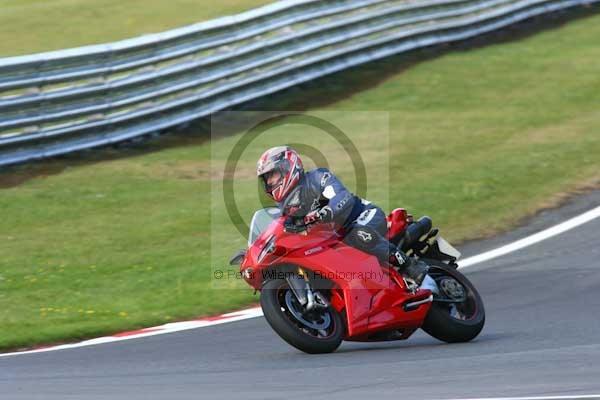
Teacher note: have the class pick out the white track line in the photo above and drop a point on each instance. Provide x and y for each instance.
(571, 397)
(529, 240)
(257, 312)
(152, 331)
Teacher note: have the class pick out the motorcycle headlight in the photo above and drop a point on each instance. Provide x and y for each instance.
(247, 273)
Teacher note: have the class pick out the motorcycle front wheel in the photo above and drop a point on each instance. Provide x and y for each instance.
(457, 313)
(314, 332)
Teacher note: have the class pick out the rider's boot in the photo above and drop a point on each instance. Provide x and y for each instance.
(415, 269)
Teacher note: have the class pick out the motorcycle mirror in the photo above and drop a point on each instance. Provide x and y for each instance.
(238, 257)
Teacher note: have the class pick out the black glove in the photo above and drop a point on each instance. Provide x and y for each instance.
(322, 214)
(294, 225)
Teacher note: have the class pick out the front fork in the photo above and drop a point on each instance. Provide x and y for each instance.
(301, 288)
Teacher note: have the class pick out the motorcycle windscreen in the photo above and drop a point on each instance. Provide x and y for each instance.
(261, 221)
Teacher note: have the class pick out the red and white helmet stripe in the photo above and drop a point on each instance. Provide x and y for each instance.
(285, 160)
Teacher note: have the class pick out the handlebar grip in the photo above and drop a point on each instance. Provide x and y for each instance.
(295, 227)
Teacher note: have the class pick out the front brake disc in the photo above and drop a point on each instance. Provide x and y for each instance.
(320, 322)
(452, 288)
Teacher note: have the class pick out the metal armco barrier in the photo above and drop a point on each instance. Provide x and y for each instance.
(58, 102)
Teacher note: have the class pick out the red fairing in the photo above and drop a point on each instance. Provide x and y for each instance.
(371, 297)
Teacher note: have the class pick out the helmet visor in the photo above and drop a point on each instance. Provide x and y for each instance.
(273, 178)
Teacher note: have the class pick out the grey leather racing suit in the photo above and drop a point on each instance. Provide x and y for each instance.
(363, 223)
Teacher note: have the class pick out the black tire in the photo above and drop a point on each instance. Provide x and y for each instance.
(288, 328)
(441, 325)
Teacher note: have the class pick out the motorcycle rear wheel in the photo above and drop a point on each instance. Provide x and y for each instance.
(453, 323)
(282, 315)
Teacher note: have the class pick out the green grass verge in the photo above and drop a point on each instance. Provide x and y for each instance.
(479, 139)
(30, 26)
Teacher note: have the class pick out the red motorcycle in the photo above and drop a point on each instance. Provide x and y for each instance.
(317, 291)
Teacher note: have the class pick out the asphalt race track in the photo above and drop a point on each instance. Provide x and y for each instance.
(542, 337)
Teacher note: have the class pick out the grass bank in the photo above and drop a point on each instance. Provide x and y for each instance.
(31, 26)
(478, 140)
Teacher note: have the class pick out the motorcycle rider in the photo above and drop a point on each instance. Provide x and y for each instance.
(322, 197)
